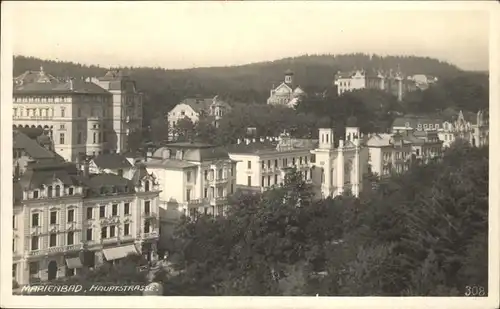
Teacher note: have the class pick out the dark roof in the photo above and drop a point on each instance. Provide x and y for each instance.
(38, 174)
(33, 76)
(140, 173)
(415, 120)
(115, 74)
(191, 145)
(288, 72)
(31, 147)
(254, 147)
(107, 180)
(111, 161)
(77, 86)
(169, 163)
(198, 105)
(205, 154)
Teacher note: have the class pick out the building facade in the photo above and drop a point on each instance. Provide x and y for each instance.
(262, 164)
(287, 93)
(340, 167)
(64, 221)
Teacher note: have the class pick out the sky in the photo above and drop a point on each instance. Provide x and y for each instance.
(176, 35)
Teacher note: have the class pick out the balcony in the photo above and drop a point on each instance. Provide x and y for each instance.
(53, 228)
(150, 235)
(219, 181)
(109, 220)
(110, 240)
(218, 200)
(71, 226)
(56, 250)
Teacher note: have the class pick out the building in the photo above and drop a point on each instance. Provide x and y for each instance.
(194, 108)
(471, 127)
(80, 116)
(126, 108)
(339, 167)
(194, 177)
(65, 220)
(287, 93)
(112, 163)
(263, 163)
(394, 153)
(27, 150)
(391, 82)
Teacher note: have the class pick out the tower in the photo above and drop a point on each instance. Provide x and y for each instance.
(326, 138)
(289, 77)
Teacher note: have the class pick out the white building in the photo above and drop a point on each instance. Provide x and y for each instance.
(287, 93)
(194, 108)
(388, 153)
(340, 167)
(64, 220)
(194, 178)
(262, 163)
(80, 116)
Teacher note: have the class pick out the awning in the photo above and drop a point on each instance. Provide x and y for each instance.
(119, 252)
(74, 262)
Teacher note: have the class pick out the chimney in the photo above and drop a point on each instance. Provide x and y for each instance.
(247, 141)
(261, 139)
(71, 84)
(238, 141)
(253, 140)
(86, 166)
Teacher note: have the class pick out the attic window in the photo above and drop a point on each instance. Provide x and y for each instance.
(35, 194)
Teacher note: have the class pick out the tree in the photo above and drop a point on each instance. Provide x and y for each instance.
(184, 129)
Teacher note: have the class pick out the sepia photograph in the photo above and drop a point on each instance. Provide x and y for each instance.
(314, 149)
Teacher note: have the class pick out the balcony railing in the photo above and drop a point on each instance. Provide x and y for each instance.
(150, 235)
(56, 250)
(35, 230)
(53, 228)
(218, 200)
(220, 180)
(197, 202)
(149, 215)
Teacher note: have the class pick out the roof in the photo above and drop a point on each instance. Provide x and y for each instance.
(168, 163)
(76, 86)
(38, 174)
(266, 146)
(33, 76)
(140, 173)
(198, 105)
(189, 145)
(112, 161)
(288, 72)
(113, 75)
(384, 140)
(31, 147)
(206, 154)
(106, 180)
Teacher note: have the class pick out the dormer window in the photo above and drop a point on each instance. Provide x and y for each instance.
(49, 191)
(70, 191)
(35, 194)
(407, 124)
(146, 186)
(58, 190)
(114, 190)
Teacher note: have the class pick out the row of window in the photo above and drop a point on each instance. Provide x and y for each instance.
(220, 192)
(49, 112)
(35, 218)
(301, 160)
(59, 99)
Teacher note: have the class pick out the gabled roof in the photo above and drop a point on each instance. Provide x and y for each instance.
(169, 163)
(112, 161)
(31, 147)
(114, 74)
(33, 76)
(198, 105)
(38, 174)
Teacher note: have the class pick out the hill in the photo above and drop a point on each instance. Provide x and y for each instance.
(247, 83)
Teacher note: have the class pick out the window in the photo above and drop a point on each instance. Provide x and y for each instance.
(146, 226)
(249, 181)
(62, 127)
(305, 159)
(102, 211)
(33, 268)
(276, 163)
(232, 188)
(262, 181)
(14, 222)
(188, 195)
(34, 219)
(70, 238)
(114, 210)
(126, 229)
(63, 112)
(418, 152)
(53, 240)
(71, 215)
(275, 179)
(70, 191)
(206, 175)
(120, 172)
(34, 243)
(58, 190)
(268, 180)
(263, 165)
(61, 138)
(94, 138)
(112, 231)
(205, 192)
(89, 213)
(126, 209)
(300, 160)
(104, 232)
(147, 204)
(146, 186)
(35, 194)
(249, 164)
(53, 217)
(221, 174)
(89, 234)
(49, 191)
(293, 161)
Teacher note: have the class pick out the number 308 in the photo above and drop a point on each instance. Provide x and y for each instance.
(474, 291)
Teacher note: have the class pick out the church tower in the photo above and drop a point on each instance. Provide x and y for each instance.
(289, 78)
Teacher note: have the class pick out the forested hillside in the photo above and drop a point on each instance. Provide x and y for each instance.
(246, 83)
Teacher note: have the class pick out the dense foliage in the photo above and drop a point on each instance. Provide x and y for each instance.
(250, 83)
(421, 233)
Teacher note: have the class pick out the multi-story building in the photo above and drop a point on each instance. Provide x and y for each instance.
(262, 163)
(80, 116)
(194, 108)
(388, 153)
(392, 82)
(471, 127)
(65, 220)
(339, 167)
(126, 107)
(112, 163)
(287, 93)
(194, 178)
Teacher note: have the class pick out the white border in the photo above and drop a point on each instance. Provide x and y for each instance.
(7, 300)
